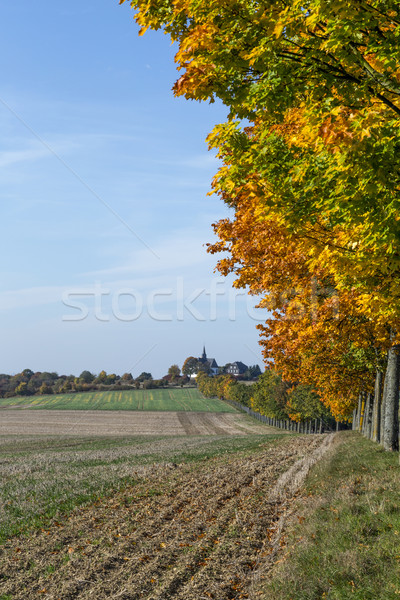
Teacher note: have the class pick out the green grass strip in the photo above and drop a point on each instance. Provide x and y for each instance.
(174, 399)
(346, 540)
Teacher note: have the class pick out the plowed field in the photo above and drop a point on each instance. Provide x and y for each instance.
(182, 532)
(99, 422)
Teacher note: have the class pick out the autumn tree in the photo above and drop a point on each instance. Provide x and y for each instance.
(190, 366)
(310, 157)
(240, 392)
(101, 377)
(22, 389)
(218, 386)
(174, 372)
(304, 403)
(45, 389)
(127, 378)
(270, 395)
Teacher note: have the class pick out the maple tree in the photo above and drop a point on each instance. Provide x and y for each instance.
(310, 153)
(270, 395)
(326, 343)
(215, 386)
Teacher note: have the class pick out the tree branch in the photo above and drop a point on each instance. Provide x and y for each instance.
(377, 77)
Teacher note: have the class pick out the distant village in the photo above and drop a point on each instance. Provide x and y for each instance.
(29, 383)
(210, 367)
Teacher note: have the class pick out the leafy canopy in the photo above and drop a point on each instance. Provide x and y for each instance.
(310, 166)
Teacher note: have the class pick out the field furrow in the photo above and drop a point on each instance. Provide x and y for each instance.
(105, 423)
(183, 532)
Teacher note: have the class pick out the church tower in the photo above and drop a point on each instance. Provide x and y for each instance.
(204, 356)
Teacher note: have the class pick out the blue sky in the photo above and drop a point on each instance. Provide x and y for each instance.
(103, 197)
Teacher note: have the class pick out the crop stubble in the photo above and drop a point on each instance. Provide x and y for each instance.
(184, 532)
(98, 422)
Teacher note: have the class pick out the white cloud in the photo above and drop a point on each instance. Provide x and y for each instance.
(35, 296)
(182, 250)
(183, 262)
(11, 157)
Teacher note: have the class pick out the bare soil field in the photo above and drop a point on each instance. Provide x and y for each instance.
(99, 423)
(197, 531)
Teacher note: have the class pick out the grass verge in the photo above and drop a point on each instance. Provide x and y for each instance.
(344, 541)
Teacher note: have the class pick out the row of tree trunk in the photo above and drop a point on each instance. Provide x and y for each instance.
(377, 414)
(310, 426)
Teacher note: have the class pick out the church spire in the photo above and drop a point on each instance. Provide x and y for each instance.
(204, 357)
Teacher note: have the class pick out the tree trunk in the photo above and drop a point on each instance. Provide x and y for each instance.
(354, 423)
(383, 410)
(376, 413)
(361, 414)
(368, 415)
(358, 418)
(391, 426)
(366, 405)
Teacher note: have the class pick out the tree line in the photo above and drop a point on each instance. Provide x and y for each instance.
(310, 168)
(28, 383)
(269, 396)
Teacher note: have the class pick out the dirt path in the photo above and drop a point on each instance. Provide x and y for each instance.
(187, 532)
